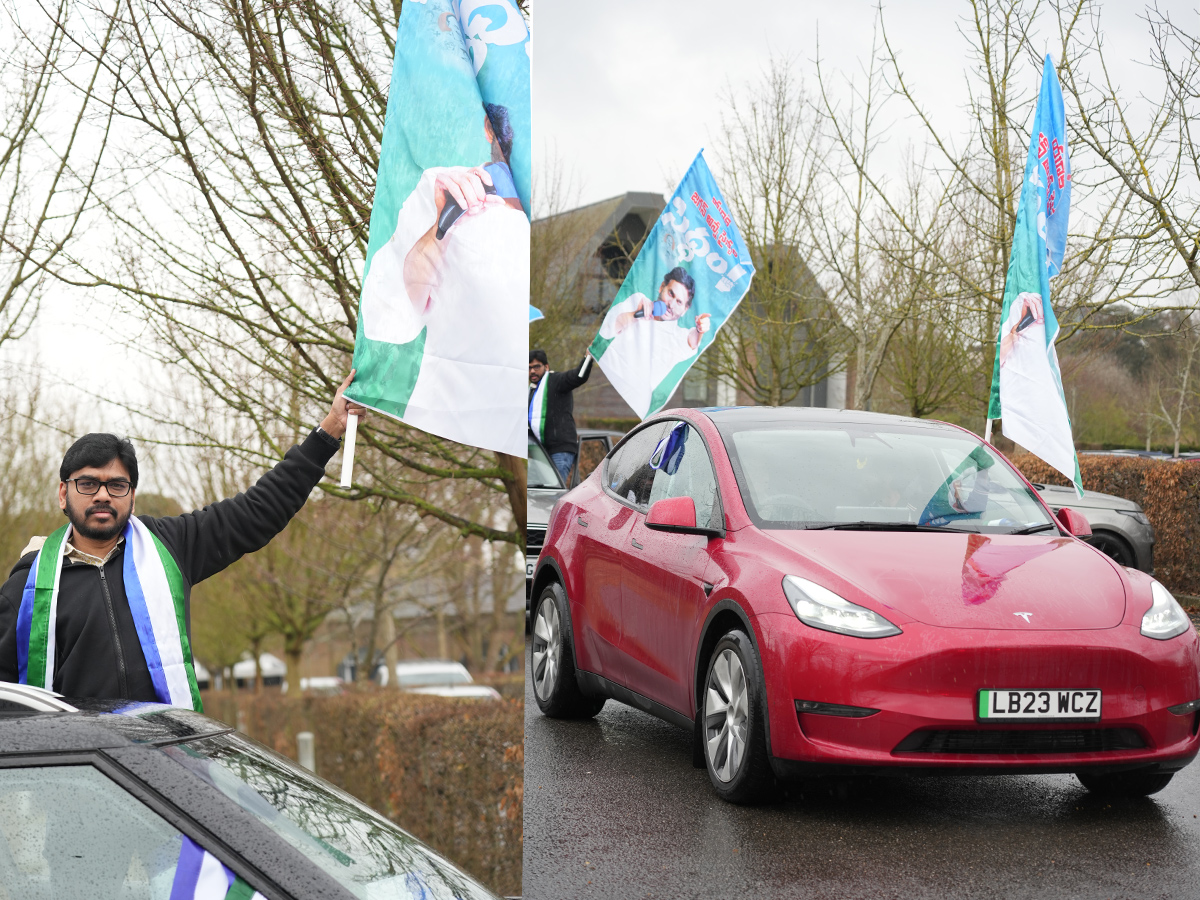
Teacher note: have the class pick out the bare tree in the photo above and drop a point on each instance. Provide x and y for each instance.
(46, 178)
(784, 336)
(238, 209)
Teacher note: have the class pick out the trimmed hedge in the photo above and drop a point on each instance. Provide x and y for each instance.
(1167, 490)
(450, 772)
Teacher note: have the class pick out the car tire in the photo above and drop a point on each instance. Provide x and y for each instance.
(1114, 547)
(734, 732)
(1125, 784)
(552, 662)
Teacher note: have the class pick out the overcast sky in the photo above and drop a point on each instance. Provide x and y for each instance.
(627, 91)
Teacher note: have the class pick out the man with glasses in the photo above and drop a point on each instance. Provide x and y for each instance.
(552, 408)
(107, 573)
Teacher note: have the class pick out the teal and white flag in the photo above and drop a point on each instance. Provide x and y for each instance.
(688, 278)
(154, 589)
(1027, 391)
(201, 876)
(441, 344)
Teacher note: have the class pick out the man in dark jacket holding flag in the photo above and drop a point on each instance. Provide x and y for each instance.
(101, 608)
(552, 408)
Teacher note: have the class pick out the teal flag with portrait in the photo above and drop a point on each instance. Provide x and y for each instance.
(442, 326)
(686, 281)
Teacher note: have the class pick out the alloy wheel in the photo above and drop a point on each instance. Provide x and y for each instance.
(547, 647)
(726, 712)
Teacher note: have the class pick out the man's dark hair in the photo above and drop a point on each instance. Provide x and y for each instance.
(678, 274)
(498, 116)
(97, 450)
(540, 356)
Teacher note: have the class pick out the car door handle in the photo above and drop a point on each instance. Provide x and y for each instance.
(579, 519)
(637, 546)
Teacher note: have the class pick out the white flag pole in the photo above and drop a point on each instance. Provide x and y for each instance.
(348, 451)
(987, 431)
(587, 361)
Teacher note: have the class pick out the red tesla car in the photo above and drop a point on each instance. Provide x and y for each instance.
(812, 591)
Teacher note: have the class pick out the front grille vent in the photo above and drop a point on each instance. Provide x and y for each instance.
(1075, 740)
(534, 538)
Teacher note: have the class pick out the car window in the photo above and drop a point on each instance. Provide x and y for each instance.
(541, 472)
(629, 474)
(71, 831)
(591, 452)
(356, 846)
(684, 470)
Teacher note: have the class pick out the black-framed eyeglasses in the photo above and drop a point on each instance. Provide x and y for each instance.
(118, 487)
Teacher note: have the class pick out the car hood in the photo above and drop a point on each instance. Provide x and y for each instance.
(969, 580)
(540, 502)
(1064, 496)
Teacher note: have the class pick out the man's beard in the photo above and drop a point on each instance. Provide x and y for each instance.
(79, 522)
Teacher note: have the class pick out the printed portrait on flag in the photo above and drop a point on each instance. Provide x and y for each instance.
(687, 279)
(442, 331)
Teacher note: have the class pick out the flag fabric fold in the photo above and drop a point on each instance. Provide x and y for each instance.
(201, 876)
(688, 278)
(1027, 392)
(439, 342)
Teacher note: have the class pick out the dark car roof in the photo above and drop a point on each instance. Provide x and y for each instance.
(101, 725)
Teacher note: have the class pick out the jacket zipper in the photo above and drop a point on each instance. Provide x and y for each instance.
(112, 621)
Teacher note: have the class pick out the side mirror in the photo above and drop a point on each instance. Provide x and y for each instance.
(1074, 522)
(678, 515)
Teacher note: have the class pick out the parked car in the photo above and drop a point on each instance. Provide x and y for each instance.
(1119, 527)
(112, 800)
(442, 678)
(810, 590)
(545, 486)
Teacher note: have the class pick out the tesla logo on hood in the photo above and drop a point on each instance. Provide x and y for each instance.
(1024, 616)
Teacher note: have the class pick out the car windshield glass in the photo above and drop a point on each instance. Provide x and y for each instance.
(542, 473)
(827, 475)
(441, 676)
(70, 831)
(355, 845)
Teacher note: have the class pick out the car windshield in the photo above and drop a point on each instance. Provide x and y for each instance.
(892, 477)
(542, 473)
(359, 848)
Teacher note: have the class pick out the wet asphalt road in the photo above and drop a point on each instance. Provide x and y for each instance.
(614, 809)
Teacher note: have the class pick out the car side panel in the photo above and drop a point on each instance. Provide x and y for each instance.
(589, 555)
(664, 598)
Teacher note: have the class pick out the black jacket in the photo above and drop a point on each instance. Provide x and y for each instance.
(97, 651)
(560, 435)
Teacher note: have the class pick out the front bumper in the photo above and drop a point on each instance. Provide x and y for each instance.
(926, 681)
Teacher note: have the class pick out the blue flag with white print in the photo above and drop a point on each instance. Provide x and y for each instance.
(1027, 392)
(688, 278)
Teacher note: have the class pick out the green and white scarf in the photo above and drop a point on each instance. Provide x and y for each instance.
(537, 408)
(154, 589)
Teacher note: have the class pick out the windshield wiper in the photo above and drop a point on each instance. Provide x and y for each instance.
(882, 526)
(1034, 529)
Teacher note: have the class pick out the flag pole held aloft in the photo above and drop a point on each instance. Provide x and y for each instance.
(348, 451)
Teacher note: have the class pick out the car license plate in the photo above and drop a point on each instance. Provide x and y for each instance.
(528, 569)
(1039, 705)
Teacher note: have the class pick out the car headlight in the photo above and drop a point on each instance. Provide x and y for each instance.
(822, 608)
(1165, 619)
(1136, 514)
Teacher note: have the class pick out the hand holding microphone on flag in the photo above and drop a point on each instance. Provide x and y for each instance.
(1026, 311)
